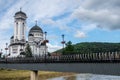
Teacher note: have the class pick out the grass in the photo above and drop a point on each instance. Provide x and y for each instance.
(25, 75)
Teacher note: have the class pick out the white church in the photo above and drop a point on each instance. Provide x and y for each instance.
(18, 42)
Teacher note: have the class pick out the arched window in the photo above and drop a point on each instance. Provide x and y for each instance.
(23, 26)
(16, 28)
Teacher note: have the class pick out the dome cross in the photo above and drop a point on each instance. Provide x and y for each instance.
(36, 22)
(20, 8)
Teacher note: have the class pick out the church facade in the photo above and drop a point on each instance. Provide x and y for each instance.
(18, 41)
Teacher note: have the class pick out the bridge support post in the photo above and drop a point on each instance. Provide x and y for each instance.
(34, 75)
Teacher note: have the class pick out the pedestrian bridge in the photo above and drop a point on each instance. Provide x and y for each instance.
(95, 68)
(97, 63)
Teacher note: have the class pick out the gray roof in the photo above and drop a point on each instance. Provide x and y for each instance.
(20, 15)
(20, 12)
(35, 29)
(17, 44)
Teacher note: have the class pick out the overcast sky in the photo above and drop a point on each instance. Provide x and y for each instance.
(79, 20)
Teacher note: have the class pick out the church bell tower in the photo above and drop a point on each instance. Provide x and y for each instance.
(18, 40)
(20, 26)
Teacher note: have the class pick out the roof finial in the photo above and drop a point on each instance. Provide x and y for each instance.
(36, 22)
(20, 8)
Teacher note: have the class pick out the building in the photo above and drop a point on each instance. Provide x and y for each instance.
(18, 40)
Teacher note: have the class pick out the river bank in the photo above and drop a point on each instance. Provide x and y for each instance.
(6, 74)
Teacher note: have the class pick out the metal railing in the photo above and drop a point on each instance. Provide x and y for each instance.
(107, 57)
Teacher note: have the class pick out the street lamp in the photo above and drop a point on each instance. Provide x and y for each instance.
(45, 35)
(45, 44)
(0, 53)
(63, 42)
(6, 48)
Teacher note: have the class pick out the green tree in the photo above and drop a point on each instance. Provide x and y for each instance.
(0, 54)
(48, 54)
(69, 49)
(90, 47)
(23, 53)
(28, 51)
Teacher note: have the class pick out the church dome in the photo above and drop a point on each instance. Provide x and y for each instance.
(20, 14)
(35, 29)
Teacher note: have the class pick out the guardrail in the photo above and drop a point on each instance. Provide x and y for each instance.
(108, 57)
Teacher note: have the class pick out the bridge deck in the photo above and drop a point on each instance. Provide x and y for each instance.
(105, 63)
(95, 68)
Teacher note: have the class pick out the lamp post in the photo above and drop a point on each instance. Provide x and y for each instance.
(33, 53)
(0, 53)
(45, 44)
(6, 48)
(63, 42)
(45, 35)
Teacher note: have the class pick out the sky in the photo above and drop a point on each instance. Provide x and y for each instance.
(79, 20)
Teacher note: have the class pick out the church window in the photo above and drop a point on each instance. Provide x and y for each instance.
(23, 29)
(16, 28)
(14, 49)
(23, 37)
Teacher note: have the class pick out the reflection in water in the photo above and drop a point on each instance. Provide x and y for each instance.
(87, 77)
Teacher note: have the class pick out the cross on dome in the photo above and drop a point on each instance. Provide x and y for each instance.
(36, 22)
(20, 8)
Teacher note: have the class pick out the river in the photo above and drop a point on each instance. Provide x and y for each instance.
(87, 77)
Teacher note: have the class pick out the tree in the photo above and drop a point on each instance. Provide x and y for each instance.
(69, 49)
(90, 47)
(23, 53)
(48, 54)
(28, 51)
(0, 54)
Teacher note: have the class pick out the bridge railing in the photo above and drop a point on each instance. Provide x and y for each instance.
(85, 57)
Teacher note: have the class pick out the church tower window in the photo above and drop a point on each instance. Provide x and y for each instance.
(23, 29)
(16, 28)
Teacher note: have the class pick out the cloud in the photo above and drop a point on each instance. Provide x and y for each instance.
(6, 5)
(101, 4)
(42, 9)
(103, 13)
(53, 47)
(88, 27)
(35, 10)
(4, 38)
(7, 20)
(80, 34)
(52, 37)
(58, 14)
(48, 21)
